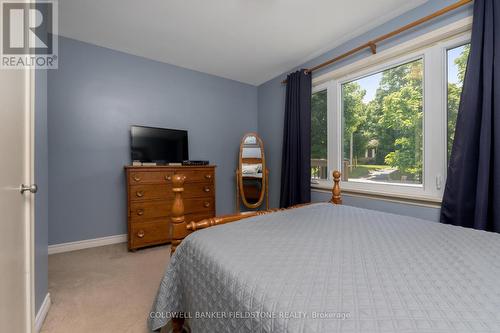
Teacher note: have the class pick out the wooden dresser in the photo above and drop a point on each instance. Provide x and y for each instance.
(150, 199)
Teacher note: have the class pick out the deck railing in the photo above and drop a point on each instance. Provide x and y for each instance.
(319, 169)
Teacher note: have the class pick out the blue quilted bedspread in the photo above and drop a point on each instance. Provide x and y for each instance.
(327, 268)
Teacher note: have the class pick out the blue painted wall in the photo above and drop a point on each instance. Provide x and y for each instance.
(41, 198)
(94, 97)
(97, 93)
(271, 94)
(422, 212)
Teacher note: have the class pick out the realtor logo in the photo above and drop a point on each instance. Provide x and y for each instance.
(29, 34)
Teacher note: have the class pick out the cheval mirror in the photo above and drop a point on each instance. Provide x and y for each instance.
(252, 175)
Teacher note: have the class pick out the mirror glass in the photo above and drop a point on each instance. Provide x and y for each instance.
(252, 175)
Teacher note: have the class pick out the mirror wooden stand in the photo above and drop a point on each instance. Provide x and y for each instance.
(252, 176)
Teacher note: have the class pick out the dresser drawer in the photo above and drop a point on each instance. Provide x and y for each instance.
(150, 177)
(164, 192)
(188, 217)
(141, 210)
(149, 233)
(150, 192)
(197, 190)
(198, 175)
(198, 205)
(146, 210)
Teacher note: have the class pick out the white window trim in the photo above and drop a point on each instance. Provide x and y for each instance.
(432, 48)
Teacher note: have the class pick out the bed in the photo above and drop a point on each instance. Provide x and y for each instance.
(328, 268)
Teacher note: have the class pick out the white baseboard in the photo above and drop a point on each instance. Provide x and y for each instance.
(42, 313)
(87, 243)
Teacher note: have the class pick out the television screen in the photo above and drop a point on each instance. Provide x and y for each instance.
(160, 145)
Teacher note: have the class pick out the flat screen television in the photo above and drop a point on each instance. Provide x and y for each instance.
(159, 145)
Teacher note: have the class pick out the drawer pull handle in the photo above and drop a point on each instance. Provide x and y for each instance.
(136, 178)
(206, 189)
(206, 204)
(139, 194)
(140, 233)
(208, 176)
(168, 178)
(140, 212)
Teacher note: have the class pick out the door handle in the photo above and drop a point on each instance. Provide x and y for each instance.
(29, 188)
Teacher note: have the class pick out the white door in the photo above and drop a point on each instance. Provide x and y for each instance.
(15, 208)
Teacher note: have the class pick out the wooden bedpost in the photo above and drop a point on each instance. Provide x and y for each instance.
(178, 227)
(179, 231)
(336, 197)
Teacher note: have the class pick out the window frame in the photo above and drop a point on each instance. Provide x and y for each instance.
(433, 53)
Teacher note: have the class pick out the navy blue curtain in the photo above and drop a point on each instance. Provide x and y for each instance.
(296, 157)
(472, 193)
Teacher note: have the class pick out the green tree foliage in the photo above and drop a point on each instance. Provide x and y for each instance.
(454, 93)
(393, 118)
(354, 116)
(319, 125)
(461, 62)
(402, 114)
(354, 109)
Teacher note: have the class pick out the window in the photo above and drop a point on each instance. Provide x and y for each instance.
(319, 135)
(383, 130)
(389, 123)
(457, 63)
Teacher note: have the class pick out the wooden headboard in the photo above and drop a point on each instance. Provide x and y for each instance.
(182, 228)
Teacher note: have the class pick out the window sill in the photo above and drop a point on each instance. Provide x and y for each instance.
(392, 197)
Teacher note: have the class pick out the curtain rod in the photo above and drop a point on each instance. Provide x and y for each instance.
(373, 43)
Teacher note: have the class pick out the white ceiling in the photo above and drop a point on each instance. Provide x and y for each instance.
(250, 41)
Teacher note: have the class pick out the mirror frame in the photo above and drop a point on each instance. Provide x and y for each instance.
(240, 172)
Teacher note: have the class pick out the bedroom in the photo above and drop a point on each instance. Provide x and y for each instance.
(266, 100)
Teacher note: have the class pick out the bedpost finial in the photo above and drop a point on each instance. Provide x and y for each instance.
(336, 197)
(178, 181)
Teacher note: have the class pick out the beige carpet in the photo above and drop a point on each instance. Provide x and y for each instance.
(103, 289)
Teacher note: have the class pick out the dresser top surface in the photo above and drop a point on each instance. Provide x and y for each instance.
(160, 167)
